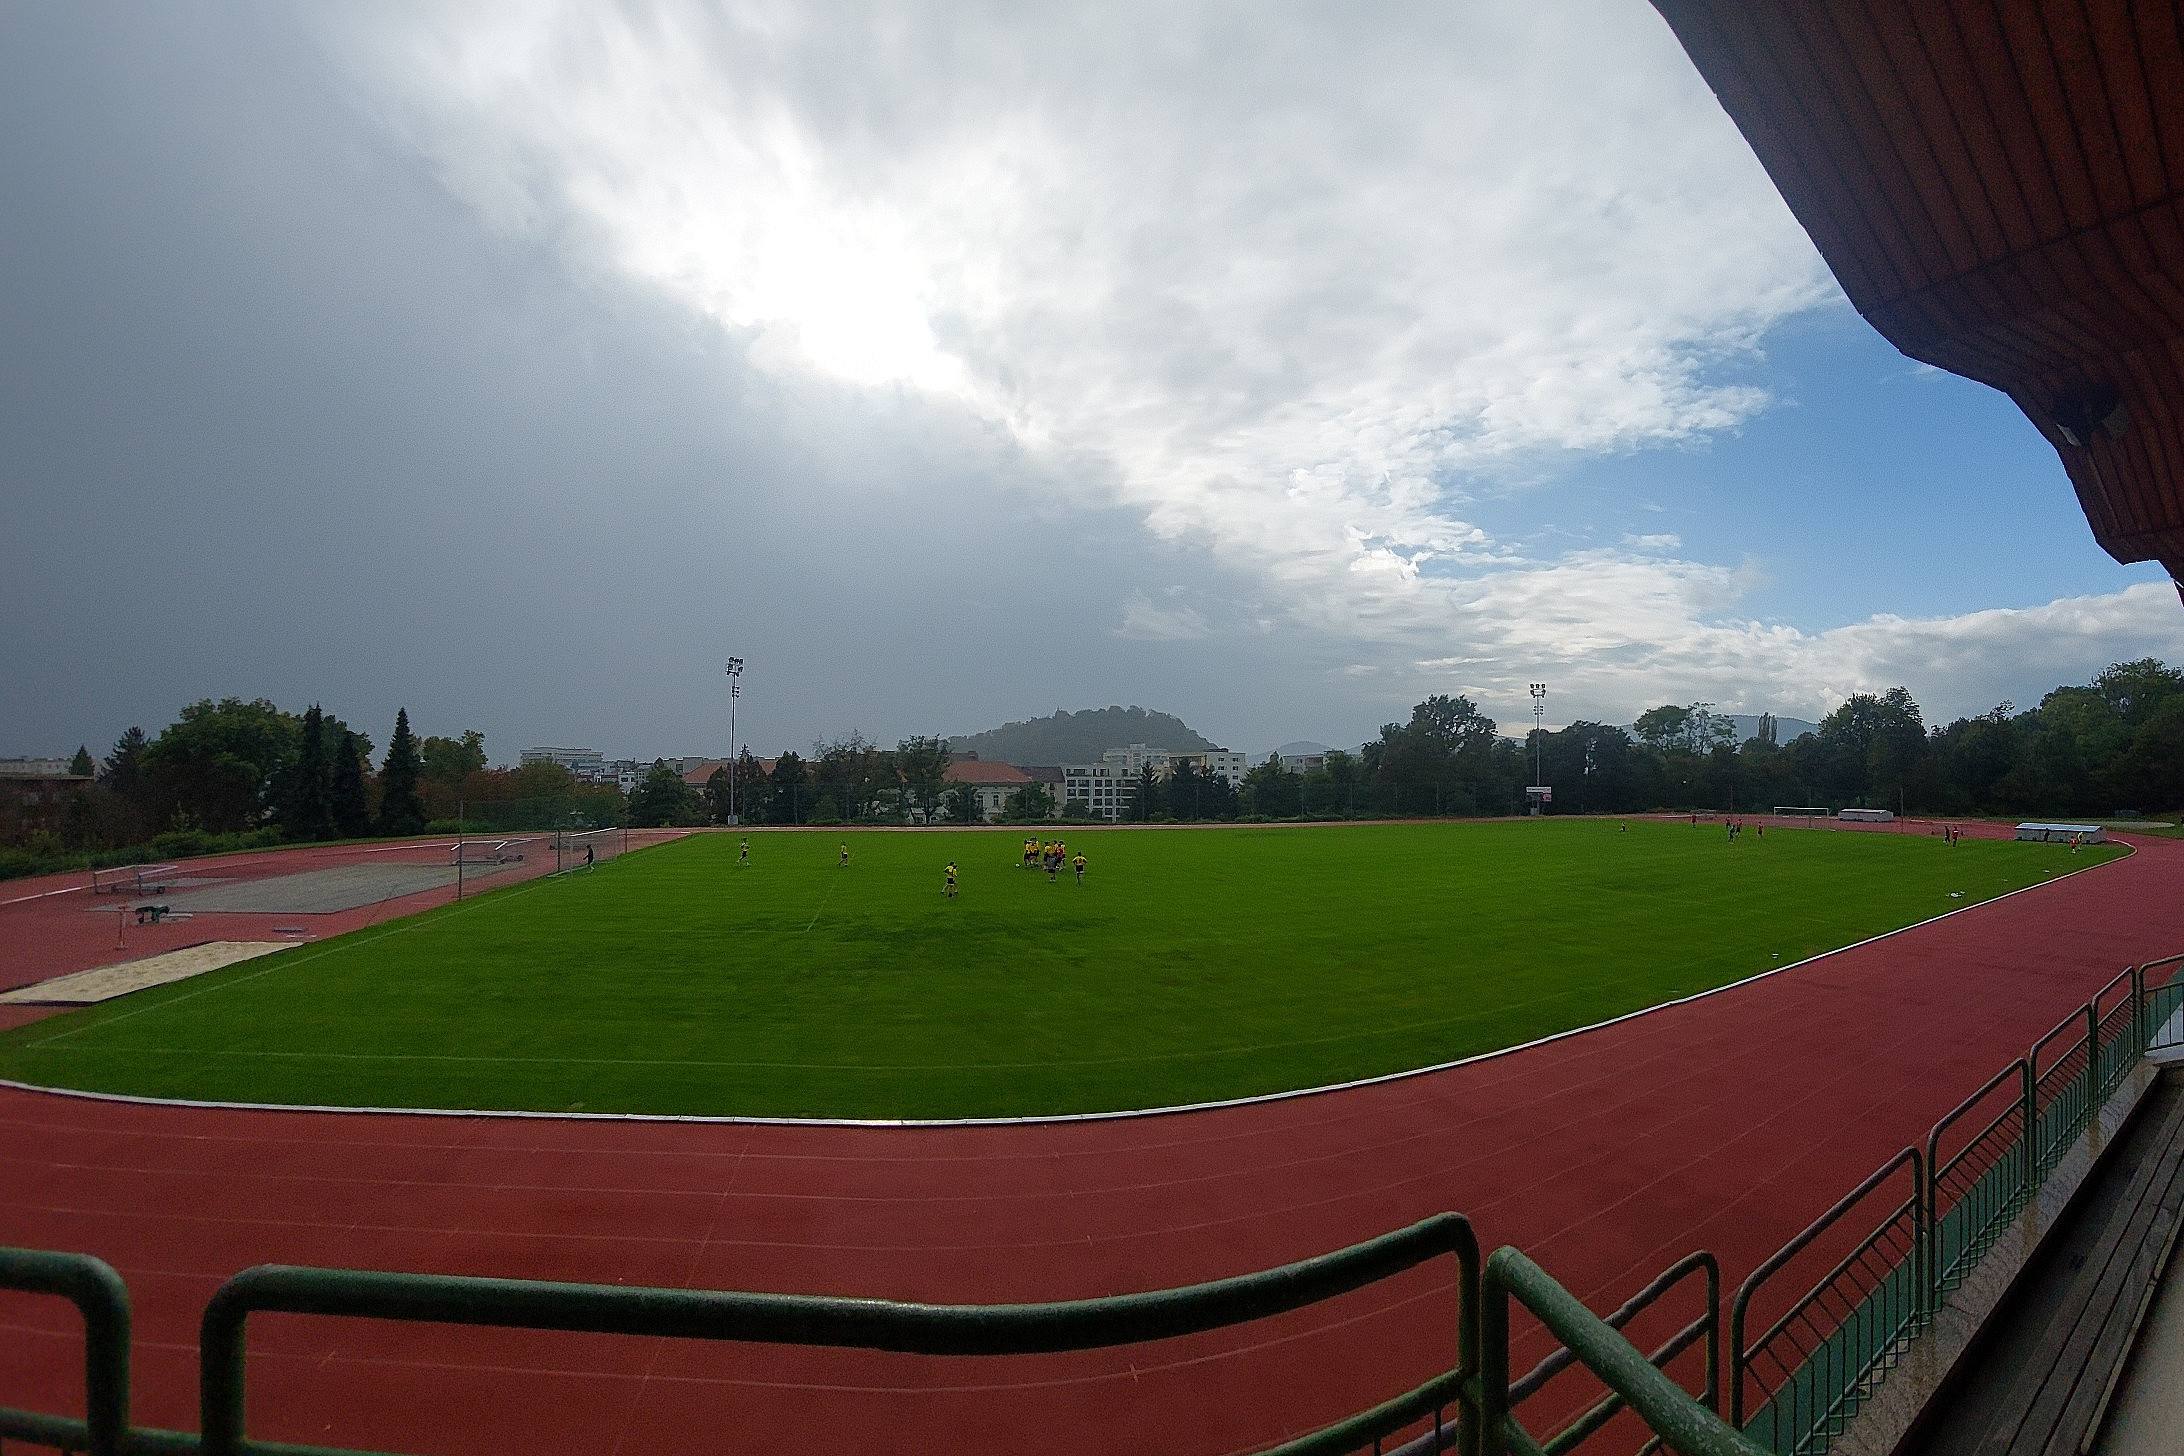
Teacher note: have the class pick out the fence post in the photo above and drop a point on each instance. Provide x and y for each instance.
(2032, 1129)
(2140, 1033)
(1493, 1368)
(2092, 1060)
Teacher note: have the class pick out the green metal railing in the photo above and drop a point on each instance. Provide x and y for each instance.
(1812, 1366)
(1675, 1418)
(1702, 1332)
(1896, 1246)
(1798, 1385)
(1448, 1407)
(96, 1291)
(2161, 1003)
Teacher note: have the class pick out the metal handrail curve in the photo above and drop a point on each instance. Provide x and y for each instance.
(1684, 1424)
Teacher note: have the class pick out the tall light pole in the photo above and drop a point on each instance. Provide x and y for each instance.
(735, 690)
(1539, 736)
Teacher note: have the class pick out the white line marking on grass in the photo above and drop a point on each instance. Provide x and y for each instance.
(1036, 1118)
(822, 904)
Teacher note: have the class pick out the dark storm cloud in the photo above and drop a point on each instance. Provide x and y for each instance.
(281, 419)
(519, 364)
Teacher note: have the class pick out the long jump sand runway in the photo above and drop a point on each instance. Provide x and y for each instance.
(1726, 1123)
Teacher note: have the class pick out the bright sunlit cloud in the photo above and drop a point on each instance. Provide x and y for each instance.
(1293, 292)
(1297, 287)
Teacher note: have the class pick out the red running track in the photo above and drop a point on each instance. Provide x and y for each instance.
(1726, 1122)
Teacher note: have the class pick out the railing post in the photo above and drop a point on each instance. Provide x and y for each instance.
(2092, 1060)
(1926, 1226)
(220, 1357)
(103, 1301)
(1493, 1367)
(1713, 1336)
(1470, 1425)
(2032, 1130)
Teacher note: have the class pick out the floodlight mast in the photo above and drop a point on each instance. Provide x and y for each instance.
(1539, 732)
(735, 690)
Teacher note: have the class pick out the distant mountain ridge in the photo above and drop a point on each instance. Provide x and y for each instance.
(1786, 729)
(1081, 737)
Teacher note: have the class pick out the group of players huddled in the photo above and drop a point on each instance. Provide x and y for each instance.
(1050, 855)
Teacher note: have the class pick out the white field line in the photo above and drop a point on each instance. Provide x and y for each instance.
(1043, 1118)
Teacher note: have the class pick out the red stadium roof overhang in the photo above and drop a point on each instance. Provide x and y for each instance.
(1996, 185)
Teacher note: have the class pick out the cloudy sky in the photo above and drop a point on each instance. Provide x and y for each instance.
(1271, 366)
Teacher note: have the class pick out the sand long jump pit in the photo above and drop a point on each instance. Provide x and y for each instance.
(104, 983)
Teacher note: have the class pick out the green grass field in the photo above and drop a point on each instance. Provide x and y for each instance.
(1193, 965)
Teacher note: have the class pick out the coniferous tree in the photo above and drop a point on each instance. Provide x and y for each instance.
(81, 765)
(351, 813)
(308, 814)
(123, 771)
(400, 810)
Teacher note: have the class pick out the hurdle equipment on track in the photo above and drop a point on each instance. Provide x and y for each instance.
(489, 851)
(135, 879)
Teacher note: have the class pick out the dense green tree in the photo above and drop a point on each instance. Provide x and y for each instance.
(788, 790)
(218, 767)
(307, 805)
(1028, 804)
(81, 765)
(348, 803)
(1330, 791)
(451, 760)
(401, 811)
(123, 770)
(960, 804)
(663, 800)
(1273, 792)
(1191, 794)
(2153, 768)
(716, 797)
(923, 765)
(1448, 759)
(2135, 691)
(854, 774)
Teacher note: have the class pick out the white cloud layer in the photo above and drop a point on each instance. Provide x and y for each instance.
(1289, 284)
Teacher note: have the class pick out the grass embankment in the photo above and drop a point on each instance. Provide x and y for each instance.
(1192, 965)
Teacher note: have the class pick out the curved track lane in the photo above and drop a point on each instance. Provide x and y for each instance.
(1726, 1123)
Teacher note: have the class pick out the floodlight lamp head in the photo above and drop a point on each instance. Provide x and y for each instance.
(1539, 690)
(735, 667)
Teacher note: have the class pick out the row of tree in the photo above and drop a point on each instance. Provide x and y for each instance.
(232, 767)
(2115, 745)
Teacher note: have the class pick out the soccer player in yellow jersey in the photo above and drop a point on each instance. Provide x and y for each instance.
(951, 880)
(1031, 852)
(843, 863)
(1078, 865)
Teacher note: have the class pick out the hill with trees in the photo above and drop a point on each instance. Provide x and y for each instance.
(1082, 737)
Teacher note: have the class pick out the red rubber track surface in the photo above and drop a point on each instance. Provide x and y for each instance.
(1726, 1123)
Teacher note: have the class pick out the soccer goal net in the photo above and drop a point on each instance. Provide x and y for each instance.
(575, 848)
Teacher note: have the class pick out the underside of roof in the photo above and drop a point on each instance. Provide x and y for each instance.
(1996, 184)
